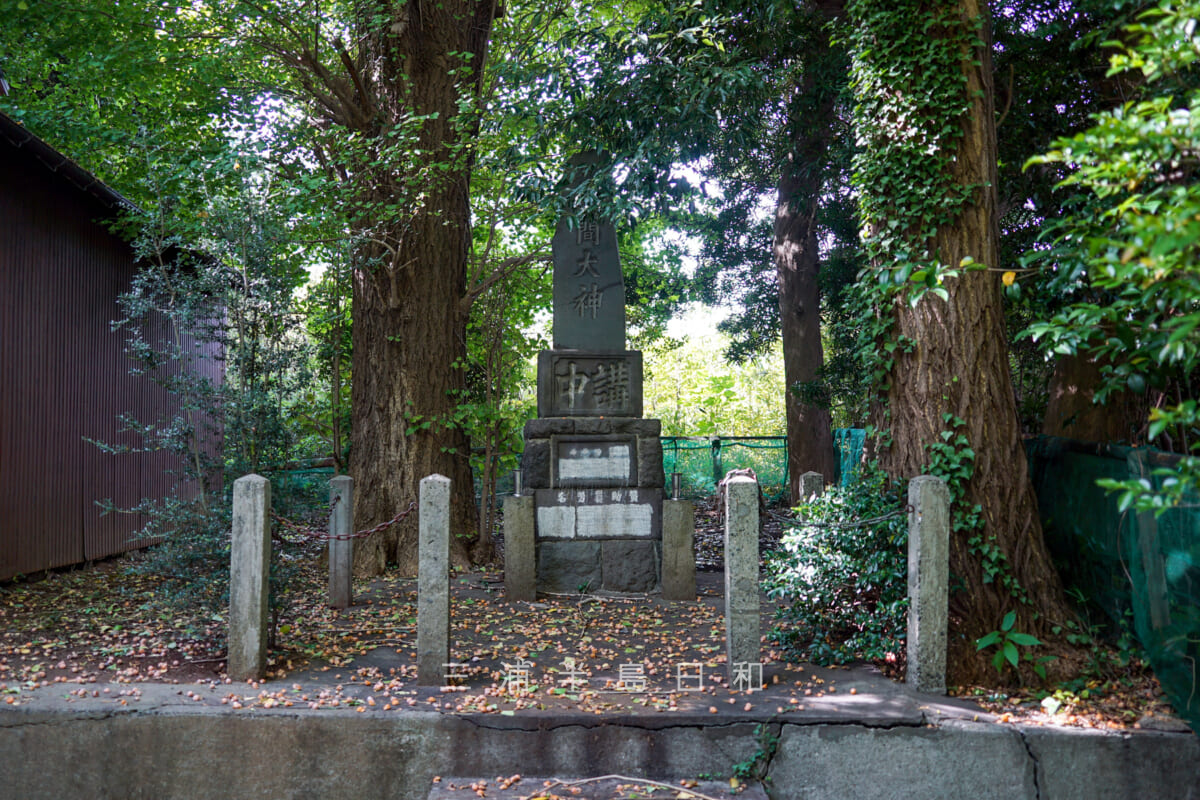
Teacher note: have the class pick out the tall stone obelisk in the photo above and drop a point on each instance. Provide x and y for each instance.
(594, 465)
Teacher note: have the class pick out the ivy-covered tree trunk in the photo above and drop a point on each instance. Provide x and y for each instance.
(419, 61)
(946, 402)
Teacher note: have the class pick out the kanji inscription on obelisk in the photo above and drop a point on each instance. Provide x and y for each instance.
(589, 292)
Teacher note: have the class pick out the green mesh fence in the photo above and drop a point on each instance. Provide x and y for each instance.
(703, 462)
(1126, 562)
(849, 445)
(299, 492)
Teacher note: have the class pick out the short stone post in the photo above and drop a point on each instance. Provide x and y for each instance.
(341, 547)
(520, 567)
(249, 573)
(741, 573)
(433, 581)
(812, 484)
(928, 582)
(679, 553)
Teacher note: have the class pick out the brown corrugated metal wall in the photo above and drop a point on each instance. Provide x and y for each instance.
(64, 376)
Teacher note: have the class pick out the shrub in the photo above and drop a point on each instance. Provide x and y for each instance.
(844, 572)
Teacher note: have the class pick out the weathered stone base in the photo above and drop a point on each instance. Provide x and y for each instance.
(611, 565)
(597, 484)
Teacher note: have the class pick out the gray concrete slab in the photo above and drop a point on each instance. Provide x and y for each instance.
(872, 738)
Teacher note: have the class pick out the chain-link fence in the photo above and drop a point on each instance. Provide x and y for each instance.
(702, 461)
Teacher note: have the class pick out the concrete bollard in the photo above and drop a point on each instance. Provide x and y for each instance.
(679, 551)
(249, 578)
(812, 484)
(520, 557)
(741, 573)
(341, 550)
(433, 581)
(928, 582)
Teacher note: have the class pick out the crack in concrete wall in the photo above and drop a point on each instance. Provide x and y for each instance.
(1037, 765)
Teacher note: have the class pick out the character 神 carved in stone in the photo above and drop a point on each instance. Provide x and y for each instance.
(589, 299)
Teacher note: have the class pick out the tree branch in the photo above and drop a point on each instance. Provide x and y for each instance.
(503, 270)
(1008, 99)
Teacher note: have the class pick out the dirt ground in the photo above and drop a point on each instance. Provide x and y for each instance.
(99, 629)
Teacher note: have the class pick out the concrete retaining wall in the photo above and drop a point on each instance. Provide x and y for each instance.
(331, 754)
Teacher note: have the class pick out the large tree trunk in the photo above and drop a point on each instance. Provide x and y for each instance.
(1073, 413)
(959, 366)
(409, 330)
(798, 257)
(797, 264)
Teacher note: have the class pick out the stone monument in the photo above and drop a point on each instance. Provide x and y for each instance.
(592, 463)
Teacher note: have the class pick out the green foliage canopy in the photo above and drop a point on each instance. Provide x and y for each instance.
(1131, 250)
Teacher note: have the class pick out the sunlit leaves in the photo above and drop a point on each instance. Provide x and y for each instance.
(1135, 242)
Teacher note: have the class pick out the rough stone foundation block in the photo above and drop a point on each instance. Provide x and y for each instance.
(341, 551)
(545, 427)
(249, 573)
(535, 464)
(433, 581)
(928, 582)
(520, 554)
(679, 554)
(569, 565)
(629, 566)
(741, 572)
(650, 462)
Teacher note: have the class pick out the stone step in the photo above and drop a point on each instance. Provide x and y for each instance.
(601, 788)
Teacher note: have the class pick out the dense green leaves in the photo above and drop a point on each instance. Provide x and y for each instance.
(1131, 250)
(844, 571)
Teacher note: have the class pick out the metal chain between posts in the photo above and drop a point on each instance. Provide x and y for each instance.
(324, 536)
(862, 523)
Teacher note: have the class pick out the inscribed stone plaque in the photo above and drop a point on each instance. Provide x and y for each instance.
(594, 462)
(616, 513)
(589, 292)
(593, 384)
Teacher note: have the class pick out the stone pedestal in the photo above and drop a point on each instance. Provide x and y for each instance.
(520, 555)
(928, 583)
(597, 486)
(679, 553)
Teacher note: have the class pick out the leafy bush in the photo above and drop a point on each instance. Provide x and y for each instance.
(845, 575)
(210, 318)
(192, 557)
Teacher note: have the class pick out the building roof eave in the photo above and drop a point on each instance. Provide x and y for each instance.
(17, 135)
